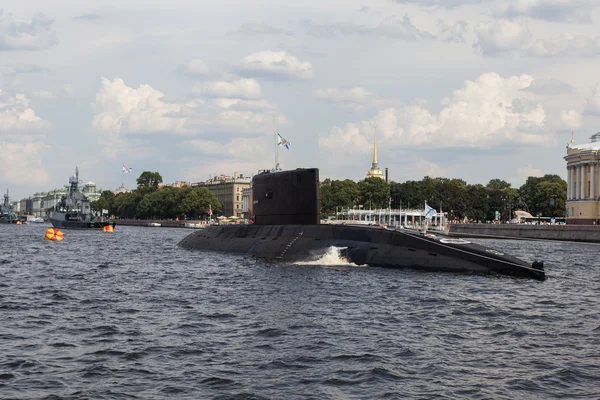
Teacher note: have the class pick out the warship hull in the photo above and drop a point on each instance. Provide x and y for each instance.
(372, 246)
(65, 221)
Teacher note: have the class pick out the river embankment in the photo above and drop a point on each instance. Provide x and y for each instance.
(148, 222)
(574, 233)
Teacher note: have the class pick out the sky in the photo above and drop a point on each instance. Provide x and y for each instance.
(469, 89)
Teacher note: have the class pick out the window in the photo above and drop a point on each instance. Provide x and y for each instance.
(237, 198)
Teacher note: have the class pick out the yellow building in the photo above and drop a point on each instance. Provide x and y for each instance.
(247, 202)
(375, 172)
(583, 182)
(228, 191)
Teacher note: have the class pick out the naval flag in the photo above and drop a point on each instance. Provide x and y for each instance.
(281, 141)
(429, 211)
(127, 170)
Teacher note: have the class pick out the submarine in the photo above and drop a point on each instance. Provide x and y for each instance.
(286, 226)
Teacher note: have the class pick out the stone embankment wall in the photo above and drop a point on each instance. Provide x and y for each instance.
(577, 233)
(146, 222)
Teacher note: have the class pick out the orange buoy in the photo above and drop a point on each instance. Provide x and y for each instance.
(54, 234)
(108, 228)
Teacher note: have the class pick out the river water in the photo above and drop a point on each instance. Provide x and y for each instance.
(130, 315)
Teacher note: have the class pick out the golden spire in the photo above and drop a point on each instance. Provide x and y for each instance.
(572, 137)
(375, 149)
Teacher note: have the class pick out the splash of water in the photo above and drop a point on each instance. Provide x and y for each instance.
(333, 257)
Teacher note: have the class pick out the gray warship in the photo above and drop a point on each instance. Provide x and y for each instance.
(286, 227)
(7, 215)
(73, 211)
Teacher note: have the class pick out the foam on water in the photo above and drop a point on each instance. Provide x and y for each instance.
(333, 257)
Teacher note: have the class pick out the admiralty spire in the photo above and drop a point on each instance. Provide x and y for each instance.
(375, 172)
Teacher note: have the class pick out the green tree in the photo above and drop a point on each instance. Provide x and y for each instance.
(374, 193)
(126, 204)
(550, 198)
(337, 195)
(149, 180)
(477, 205)
(195, 202)
(105, 202)
(534, 199)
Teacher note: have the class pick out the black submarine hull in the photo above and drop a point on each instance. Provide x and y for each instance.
(372, 246)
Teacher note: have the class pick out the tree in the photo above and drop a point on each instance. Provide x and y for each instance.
(126, 204)
(477, 205)
(550, 198)
(105, 202)
(535, 198)
(374, 192)
(195, 202)
(337, 195)
(497, 184)
(149, 180)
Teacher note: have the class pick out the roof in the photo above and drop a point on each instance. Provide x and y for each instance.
(586, 146)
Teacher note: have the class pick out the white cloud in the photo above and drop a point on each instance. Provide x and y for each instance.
(440, 3)
(34, 34)
(17, 116)
(21, 162)
(87, 17)
(525, 172)
(567, 45)
(487, 112)
(571, 119)
(43, 95)
(122, 109)
(26, 69)
(501, 37)
(453, 33)
(254, 29)
(355, 98)
(240, 149)
(276, 65)
(592, 105)
(549, 10)
(391, 27)
(549, 87)
(195, 67)
(21, 141)
(241, 89)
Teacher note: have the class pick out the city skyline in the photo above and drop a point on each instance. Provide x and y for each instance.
(194, 89)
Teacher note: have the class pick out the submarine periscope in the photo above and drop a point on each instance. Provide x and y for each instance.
(287, 227)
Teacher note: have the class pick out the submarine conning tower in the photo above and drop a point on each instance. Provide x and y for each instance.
(286, 197)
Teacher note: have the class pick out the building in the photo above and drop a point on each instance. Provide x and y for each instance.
(375, 172)
(247, 202)
(178, 184)
(583, 182)
(228, 191)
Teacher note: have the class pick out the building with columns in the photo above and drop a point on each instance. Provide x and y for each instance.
(375, 172)
(228, 191)
(583, 182)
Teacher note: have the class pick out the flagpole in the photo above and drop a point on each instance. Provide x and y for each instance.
(276, 146)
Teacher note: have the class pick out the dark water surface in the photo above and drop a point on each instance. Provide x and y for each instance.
(130, 315)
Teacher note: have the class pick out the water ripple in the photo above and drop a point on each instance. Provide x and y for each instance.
(130, 315)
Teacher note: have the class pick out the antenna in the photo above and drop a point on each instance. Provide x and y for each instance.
(276, 146)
